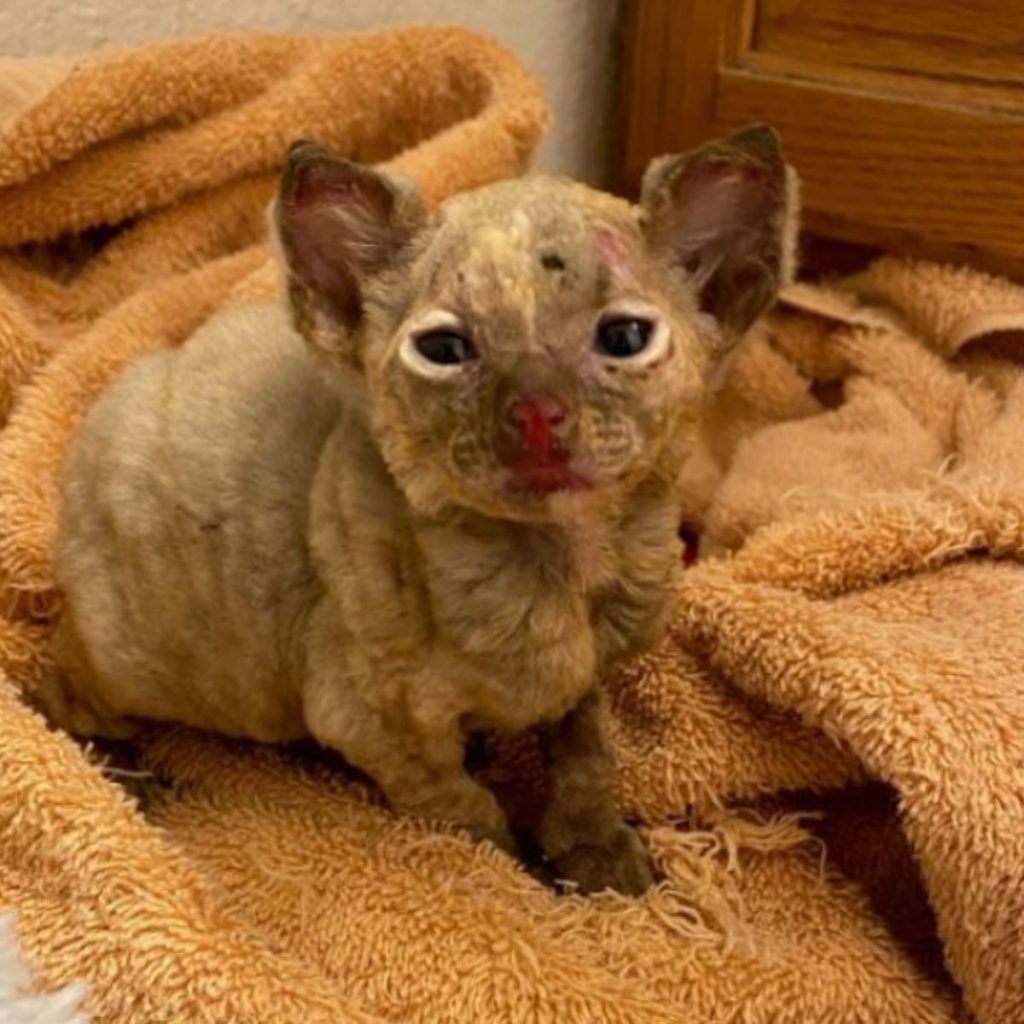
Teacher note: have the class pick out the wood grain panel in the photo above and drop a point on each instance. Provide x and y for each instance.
(672, 52)
(905, 118)
(956, 39)
(885, 170)
(966, 94)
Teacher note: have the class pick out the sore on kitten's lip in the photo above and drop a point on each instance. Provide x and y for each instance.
(546, 475)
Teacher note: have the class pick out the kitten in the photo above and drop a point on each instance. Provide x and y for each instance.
(436, 493)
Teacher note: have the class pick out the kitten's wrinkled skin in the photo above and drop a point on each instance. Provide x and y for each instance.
(287, 528)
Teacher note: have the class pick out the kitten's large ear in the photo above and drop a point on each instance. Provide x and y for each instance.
(727, 214)
(337, 224)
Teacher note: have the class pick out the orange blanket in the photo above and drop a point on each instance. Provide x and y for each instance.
(827, 751)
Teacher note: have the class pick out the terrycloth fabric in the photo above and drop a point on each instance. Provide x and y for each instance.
(827, 751)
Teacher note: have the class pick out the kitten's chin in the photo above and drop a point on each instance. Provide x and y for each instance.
(541, 495)
(538, 480)
(547, 498)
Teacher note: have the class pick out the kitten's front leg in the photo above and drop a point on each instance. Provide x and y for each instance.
(581, 831)
(421, 773)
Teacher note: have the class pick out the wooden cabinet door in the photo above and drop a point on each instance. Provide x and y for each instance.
(905, 118)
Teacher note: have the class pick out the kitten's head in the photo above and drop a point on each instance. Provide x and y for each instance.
(534, 346)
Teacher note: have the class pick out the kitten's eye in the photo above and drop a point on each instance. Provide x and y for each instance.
(445, 348)
(623, 337)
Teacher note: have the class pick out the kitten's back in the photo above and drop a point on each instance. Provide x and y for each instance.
(182, 545)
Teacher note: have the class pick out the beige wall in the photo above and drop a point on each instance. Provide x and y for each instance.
(569, 43)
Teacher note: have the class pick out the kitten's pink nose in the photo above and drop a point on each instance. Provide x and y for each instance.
(537, 417)
(529, 409)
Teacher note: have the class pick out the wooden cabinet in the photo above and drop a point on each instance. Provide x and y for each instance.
(905, 118)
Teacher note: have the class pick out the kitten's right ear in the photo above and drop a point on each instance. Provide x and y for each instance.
(338, 223)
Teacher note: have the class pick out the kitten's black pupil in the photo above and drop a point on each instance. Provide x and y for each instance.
(623, 337)
(446, 348)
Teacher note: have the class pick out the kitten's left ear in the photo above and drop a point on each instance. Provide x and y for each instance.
(726, 213)
(338, 223)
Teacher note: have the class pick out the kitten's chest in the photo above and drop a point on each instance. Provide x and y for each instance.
(519, 610)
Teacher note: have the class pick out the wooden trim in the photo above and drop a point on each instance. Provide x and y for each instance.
(966, 96)
(739, 30)
(672, 51)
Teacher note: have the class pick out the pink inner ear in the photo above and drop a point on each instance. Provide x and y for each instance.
(718, 205)
(335, 228)
(706, 203)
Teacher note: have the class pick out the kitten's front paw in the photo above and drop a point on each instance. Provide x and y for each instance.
(497, 835)
(621, 863)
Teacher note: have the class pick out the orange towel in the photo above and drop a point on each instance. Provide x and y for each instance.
(827, 752)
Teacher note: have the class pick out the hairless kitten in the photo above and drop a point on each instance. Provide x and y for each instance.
(433, 492)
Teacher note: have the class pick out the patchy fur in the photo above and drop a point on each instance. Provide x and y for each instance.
(297, 524)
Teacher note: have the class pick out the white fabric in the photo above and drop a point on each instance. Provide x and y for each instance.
(18, 1004)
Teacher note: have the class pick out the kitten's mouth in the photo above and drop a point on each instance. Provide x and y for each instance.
(550, 473)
